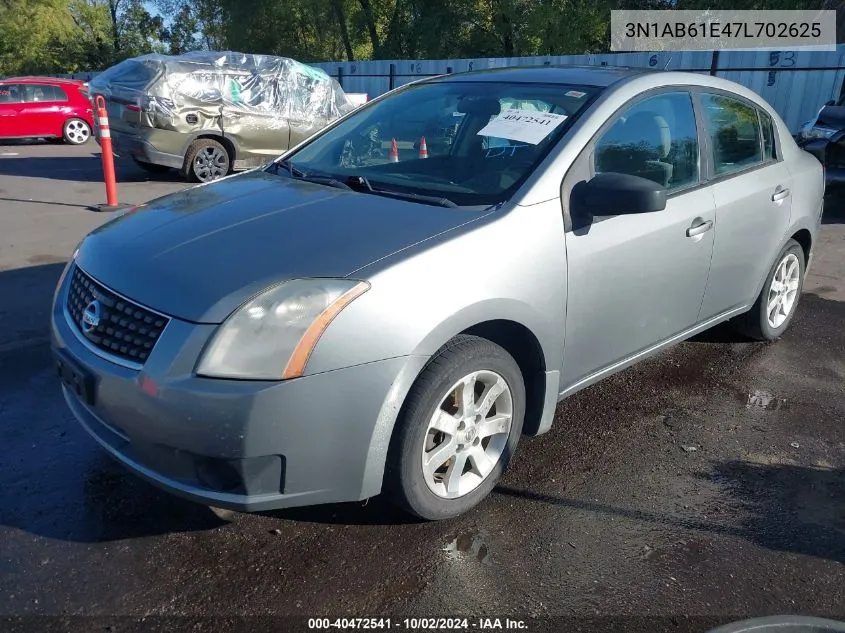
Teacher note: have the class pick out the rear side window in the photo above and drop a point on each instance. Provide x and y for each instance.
(34, 93)
(655, 139)
(734, 132)
(767, 127)
(10, 93)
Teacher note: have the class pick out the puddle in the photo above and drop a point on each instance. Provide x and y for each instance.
(759, 399)
(470, 545)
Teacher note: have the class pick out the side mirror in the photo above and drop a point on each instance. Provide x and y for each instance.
(616, 194)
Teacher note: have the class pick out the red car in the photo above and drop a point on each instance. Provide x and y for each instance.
(45, 107)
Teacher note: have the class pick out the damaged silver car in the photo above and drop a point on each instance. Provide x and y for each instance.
(210, 113)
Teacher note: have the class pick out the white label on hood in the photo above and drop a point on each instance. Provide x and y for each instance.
(526, 126)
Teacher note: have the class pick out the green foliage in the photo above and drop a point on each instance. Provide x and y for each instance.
(64, 36)
(68, 35)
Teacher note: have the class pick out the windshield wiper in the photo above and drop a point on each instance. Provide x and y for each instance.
(295, 172)
(287, 164)
(326, 180)
(360, 183)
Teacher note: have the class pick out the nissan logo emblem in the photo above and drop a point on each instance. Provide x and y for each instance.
(91, 317)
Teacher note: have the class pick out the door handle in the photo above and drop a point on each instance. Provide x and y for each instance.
(699, 229)
(780, 194)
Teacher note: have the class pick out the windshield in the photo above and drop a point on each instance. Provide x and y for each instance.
(472, 143)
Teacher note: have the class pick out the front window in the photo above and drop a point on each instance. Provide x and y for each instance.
(655, 139)
(472, 143)
(10, 93)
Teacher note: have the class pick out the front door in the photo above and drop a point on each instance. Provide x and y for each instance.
(635, 281)
(12, 123)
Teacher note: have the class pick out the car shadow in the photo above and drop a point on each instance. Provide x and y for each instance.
(56, 481)
(785, 507)
(722, 333)
(375, 511)
(834, 209)
(19, 142)
(81, 169)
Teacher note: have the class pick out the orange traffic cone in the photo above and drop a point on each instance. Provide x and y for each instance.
(423, 148)
(394, 151)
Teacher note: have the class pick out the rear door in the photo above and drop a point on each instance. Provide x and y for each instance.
(40, 109)
(752, 188)
(635, 281)
(53, 108)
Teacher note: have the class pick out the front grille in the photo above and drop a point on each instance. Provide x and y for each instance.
(111, 323)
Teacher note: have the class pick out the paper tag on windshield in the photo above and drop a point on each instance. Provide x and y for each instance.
(527, 126)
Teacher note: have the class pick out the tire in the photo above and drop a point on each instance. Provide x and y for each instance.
(151, 168)
(436, 391)
(756, 323)
(76, 132)
(206, 160)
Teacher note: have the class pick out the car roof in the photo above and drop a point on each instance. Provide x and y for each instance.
(43, 80)
(599, 76)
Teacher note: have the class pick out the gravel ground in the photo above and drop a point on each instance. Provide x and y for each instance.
(705, 485)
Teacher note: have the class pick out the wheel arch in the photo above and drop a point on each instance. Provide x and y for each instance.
(805, 239)
(802, 233)
(515, 335)
(226, 142)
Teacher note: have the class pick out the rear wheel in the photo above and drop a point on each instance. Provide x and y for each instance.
(206, 160)
(76, 132)
(457, 430)
(774, 309)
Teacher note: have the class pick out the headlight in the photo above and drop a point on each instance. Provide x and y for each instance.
(819, 131)
(271, 336)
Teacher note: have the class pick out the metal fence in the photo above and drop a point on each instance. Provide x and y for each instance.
(796, 83)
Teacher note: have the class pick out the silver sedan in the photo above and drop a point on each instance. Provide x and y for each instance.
(389, 306)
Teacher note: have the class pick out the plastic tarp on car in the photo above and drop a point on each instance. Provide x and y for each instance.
(223, 90)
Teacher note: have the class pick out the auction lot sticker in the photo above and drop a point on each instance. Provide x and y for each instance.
(526, 126)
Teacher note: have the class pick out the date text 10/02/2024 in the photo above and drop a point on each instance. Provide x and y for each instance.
(417, 624)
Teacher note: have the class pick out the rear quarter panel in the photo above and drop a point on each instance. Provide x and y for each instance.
(807, 189)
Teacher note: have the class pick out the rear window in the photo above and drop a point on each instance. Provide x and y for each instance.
(130, 74)
(35, 93)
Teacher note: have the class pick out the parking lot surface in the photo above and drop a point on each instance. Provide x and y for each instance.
(707, 482)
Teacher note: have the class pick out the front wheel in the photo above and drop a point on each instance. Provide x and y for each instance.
(774, 309)
(457, 430)
(76, 132)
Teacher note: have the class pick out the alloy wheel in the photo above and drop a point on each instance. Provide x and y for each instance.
(467, 434)
(211, 163)
(77, 132)
(783, 291)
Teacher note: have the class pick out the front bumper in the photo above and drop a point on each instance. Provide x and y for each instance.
(244, 445)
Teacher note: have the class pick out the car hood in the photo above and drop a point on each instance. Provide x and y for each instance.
(199, 254)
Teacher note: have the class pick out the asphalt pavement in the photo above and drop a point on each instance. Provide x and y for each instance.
(702, 486)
